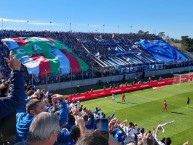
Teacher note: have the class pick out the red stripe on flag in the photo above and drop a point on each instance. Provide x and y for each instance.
(48, 38)
(74, 65)
(44, 65)
(20, 41)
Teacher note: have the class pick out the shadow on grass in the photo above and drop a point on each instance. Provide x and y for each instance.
(189, 107)
(178, 113)
(126, 103)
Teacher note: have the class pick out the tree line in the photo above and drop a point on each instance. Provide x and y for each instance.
(187, 43)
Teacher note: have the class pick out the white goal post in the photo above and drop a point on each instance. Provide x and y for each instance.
(179, 78)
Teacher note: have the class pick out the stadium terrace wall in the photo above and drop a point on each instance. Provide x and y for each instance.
(72, 84)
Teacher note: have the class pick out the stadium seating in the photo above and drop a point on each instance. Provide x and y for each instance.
(129, 52)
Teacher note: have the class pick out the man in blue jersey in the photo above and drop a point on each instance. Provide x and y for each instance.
(10, 100)
(33, 108)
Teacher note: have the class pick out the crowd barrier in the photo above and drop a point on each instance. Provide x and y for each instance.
(109, 91)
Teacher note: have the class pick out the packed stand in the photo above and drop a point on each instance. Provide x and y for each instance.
(106, 54)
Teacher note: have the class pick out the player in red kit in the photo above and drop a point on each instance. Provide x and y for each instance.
(123, 97)
(164, 106)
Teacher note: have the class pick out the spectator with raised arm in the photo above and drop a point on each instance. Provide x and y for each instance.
(161, 127)
(33, 108)
(90, 124)
(11, 100)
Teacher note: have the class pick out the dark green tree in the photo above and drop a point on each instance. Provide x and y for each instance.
(187, 43)
(161, 34)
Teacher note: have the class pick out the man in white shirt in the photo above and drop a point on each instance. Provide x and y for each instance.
(161, 127)
(113, 97)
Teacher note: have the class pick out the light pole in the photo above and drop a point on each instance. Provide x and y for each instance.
(155, 32)
(2, 24)
(70, 27)
(50, 25)
(27, 25)
(118, 29)
(88, 28)
(103, 27)
(142, 30)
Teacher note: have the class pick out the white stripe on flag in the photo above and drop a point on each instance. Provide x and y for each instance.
(39, 39)
(64, 62)
(32, 66)
(10, 43)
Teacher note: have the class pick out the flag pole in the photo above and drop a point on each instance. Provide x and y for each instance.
(71, 76)
(32, 79)
(82, 73)
(2, 24)
(46, 80)
(59, 77)
(70, 27)
(92, 71)
(27, 25)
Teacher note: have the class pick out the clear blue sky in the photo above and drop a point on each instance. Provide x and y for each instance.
(174, 17)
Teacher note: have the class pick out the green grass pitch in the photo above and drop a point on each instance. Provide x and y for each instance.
(144, 107)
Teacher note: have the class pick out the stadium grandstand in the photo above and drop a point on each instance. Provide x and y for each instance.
(103, 55)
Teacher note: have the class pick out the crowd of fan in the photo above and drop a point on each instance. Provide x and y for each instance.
(46, 118)
(84, 45)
